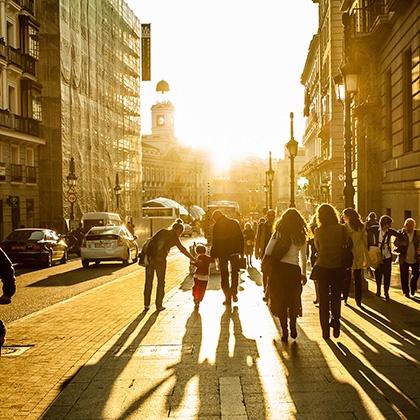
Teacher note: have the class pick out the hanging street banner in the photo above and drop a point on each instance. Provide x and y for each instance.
(145, 52)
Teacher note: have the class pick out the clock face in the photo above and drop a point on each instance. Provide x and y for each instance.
(160, 120)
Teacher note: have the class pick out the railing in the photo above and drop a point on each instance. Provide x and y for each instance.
(16, 172)
(363, 19)
(31, 174)
(15, 56)
(29, 64)
(18, 123)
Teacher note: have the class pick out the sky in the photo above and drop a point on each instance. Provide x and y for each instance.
(234, 70)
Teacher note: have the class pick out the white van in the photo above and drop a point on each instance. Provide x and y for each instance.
(100, 218)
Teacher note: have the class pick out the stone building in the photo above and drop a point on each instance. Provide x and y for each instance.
(90, 72)
(323, 136)
(20, 116)
(385, 44)
(170, 169)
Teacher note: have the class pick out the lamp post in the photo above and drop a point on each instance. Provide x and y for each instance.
(292, 149)
(346, 86)
(270, 177)
(266, 192)
(117, 189)
(71, 183)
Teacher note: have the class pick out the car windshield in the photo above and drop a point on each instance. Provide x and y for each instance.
(26, 235)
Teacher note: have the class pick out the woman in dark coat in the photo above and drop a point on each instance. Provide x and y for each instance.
(329, 238)
(288, 269)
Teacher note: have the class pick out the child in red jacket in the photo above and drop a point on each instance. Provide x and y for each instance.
(201, 274)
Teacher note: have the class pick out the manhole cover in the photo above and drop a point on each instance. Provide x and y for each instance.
(164, 350)
(13, 351)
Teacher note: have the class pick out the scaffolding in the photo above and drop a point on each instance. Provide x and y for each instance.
(99, 102)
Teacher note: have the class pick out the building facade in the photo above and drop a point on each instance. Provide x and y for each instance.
(385, 44)
(90, 71)
(323, 137)
(20, 116)
(170, 169)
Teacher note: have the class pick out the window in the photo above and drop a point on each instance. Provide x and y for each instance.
(33, 43)
(36, 108)
(388, 114)
(11, 34)
(30, 161)
(14, 153)
(12, 100)
(407, 93)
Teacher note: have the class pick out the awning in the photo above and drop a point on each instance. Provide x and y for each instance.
(166, 202)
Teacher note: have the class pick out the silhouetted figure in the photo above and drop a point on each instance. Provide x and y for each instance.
(201, 274)
(313, 253)
(249, 238)
(228, 246)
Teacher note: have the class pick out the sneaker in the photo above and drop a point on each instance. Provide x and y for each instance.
(387, 297)
(160, 308)
(378, 294)
(335, 324)
(235, 298)
(5, 300)
(146, 308)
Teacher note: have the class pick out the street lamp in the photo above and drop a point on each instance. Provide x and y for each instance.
(270, 177)
(266, 192)
(292, 148)
(71, 183)
(117, 189)
(346, 86)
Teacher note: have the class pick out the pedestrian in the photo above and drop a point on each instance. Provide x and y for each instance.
(227, 247)
(259, 228)
(7, 274)
(249, 238)
(131, 227)
(157, 252)
(329, 269)
(358, 235)
(201, 274)
(408, 248)
(371, 220)
(380, 235)
(311, 250)
(262, 239)
(288, 269)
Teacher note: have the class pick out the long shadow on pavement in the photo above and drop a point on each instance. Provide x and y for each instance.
(76, 276)
(80, 396)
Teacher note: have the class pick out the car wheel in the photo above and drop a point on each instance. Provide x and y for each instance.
(126, 261)
(85, 263)
(64, 259)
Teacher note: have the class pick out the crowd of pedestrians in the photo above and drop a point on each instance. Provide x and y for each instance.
(339, 247)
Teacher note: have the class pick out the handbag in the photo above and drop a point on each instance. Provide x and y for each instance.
(346, 250)
(375, 256)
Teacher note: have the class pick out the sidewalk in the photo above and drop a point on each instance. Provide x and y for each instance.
(98, 356)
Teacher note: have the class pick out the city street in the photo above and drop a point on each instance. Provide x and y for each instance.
(98, 355)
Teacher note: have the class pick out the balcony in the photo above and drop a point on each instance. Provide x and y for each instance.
(372, 19)
(14, 56)
(31, 174)
(17, 123)
(28, 5)
(16, 173)
(29, 64)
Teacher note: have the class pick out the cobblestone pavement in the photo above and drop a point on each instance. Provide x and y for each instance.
(98, 356)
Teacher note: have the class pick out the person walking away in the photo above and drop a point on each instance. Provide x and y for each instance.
(201, 274)
(157, 251)
(371, 220)
(249, 238)
(408, 248)
(288, 270)
(8, 279)
(227, 247)
(311, 250)
(259, 231)
(329, 239)
(261, 243)
(380, 235)
(358, 235)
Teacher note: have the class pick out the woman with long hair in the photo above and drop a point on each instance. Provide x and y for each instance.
(329, 239)
(358, 234)
(288, 269)
(249, 238)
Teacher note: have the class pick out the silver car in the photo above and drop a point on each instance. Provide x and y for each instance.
(109, 243)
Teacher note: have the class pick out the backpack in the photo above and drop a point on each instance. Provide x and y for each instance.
(144, 255)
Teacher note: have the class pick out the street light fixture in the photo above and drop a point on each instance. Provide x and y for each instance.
(270, 177)
(117, 189)
(347, 85)
(71, 183)
(292, 147)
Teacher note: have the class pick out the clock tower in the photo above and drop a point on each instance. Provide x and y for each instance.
(163, 113)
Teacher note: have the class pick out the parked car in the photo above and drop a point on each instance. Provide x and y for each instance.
(109, 243)
(188, 230)
(35, 245)
(100, 218)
